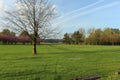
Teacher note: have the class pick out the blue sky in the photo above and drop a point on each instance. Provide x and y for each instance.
(75, 14)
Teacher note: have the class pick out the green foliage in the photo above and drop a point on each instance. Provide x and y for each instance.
(67, 38)
(58, 62)
(24, 34)
(94, 37)
(115, 30)
(75, 38)
(8, 32)
(108, 36)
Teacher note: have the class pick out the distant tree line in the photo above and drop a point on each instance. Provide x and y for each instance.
(8, 37)
(108, 36)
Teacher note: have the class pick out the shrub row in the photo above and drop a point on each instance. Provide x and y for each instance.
(6, 39)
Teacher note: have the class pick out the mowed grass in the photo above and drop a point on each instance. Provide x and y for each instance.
(58, 62)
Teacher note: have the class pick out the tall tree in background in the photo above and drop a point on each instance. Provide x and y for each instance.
(8, 32)
(33, 17)
(77, 37)
(67, 38)
(91, 36)
(94, 36)
(106, 36)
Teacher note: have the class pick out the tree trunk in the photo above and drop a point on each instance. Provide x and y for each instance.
(34, 46)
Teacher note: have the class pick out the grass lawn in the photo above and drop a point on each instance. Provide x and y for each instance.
(58, 62)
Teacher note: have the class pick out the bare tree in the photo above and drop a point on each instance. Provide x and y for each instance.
(33, 17)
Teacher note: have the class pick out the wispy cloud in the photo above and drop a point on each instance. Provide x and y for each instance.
(65, 17)
(83, 8)
(93, 10)
(78, 13)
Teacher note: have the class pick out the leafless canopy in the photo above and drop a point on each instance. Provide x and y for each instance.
(32, 16)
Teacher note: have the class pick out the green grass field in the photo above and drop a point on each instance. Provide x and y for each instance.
(58, 62)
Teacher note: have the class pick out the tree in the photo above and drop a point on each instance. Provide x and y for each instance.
(106, 36)
(94, 36)
(115, 30)
(24, 33)
(98, 34)
(33, 17)
(67, 38)
(8, 32)
(77, 37)
(82, 33)
(91, 36)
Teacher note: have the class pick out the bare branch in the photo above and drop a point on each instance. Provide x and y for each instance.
(32, 16)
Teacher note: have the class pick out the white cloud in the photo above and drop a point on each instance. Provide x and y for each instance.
(1, 6)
